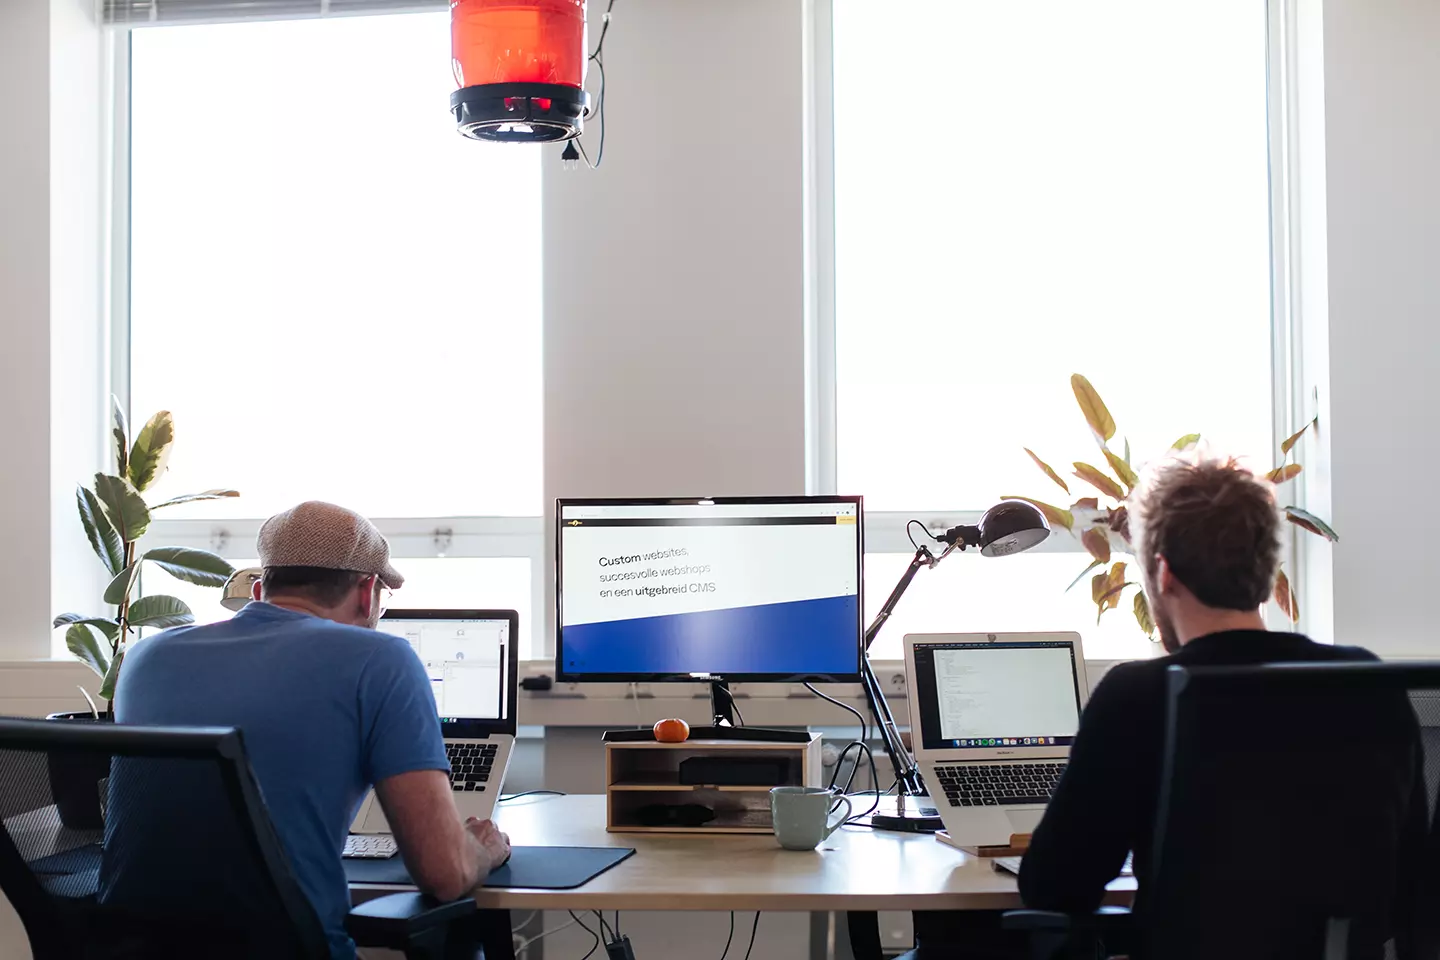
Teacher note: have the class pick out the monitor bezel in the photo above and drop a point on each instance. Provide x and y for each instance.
(477, 728)
(564, 676)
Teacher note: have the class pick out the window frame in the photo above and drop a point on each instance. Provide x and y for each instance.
(413, 537)
(885, 530)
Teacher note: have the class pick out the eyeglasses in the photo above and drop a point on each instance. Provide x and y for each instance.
(386, 594)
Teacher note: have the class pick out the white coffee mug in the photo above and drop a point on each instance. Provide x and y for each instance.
(802, 816)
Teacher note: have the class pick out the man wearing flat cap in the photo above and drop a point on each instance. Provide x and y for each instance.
(328, 707)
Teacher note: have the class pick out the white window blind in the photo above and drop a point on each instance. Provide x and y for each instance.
(139, 13)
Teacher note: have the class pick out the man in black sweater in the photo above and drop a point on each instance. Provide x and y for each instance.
(1206, 537)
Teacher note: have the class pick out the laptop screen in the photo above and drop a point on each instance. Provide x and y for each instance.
(977, 694)
(467, 660)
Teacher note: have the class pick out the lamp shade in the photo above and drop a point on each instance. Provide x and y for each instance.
(1011, 526)
(520, 69)
(238, 589)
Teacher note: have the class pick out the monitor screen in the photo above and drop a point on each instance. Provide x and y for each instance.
(997, 694)
(759, 589)
(467, 661)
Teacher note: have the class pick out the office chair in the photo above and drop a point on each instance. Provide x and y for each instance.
(1291, 814)
(172, 855)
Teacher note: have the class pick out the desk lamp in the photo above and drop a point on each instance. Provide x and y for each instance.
(1012, 526)
(238, 588)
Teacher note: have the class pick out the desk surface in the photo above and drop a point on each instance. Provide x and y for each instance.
(856, 869)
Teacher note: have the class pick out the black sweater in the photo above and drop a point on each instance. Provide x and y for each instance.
(1104, 806)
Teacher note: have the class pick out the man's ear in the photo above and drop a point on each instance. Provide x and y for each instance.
(368, 588)
(1165, 580)
(255, 589)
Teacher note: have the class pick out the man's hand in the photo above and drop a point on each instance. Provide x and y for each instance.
(495, 844)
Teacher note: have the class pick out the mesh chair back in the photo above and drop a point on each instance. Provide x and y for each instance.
(125, 842)
(1292, 797)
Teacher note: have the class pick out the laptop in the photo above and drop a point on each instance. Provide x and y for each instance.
(472, 658)
(992, 718)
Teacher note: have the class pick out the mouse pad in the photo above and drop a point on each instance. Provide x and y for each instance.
(540, 868)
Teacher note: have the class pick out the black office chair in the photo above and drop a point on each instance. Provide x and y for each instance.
(1291, 807)
(126, 842)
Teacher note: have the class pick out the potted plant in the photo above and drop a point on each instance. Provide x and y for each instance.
(115, 516)
(1102, 522)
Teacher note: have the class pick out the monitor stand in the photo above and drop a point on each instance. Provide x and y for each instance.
(722, 708)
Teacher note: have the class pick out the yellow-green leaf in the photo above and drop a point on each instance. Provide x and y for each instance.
(107, 686)
(1122, 470)
(121, 586)
(193, 497)
(1098, 584)
(125, 507)
(83, 645)
(1294, 438)
(151, 451)
(1186, 442)
(1097, 543)
(1099, 480)
(1283, 473)
(104, 540)
(1142, 614)
(1049, 472)
(1308, 521)
(1119, 522)
(121, 432)
(1096, 413)
(1057, 516)
(1285, 597)
(1093, 565)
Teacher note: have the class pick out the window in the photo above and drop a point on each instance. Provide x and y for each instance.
(337, 296)
(1026, 191)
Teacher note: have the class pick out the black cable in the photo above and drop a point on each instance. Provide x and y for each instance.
(531, 793)
(605, 927)
(923, 529)
(864, 727)
(617, 924)
(587, 930)
(739, 717)
(726, 951)
(599, 109)
(753, 927)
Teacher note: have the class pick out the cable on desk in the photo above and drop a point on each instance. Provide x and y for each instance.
(874, 775)
(587, 930)
(531, 793)
(864, 727)
(726, 952)
(753, 927)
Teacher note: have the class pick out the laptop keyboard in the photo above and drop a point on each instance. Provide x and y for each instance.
(370, 846)
(997, 784)
(470, 765)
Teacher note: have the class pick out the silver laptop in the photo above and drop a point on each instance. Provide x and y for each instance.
(472, 658)
(992, 718)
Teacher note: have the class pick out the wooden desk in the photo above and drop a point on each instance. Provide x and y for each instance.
(857, 869)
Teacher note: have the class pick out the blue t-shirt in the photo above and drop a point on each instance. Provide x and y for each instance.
(326, 710)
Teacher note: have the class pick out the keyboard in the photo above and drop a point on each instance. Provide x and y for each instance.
(377, 846)
(470, 765)
(996, 784)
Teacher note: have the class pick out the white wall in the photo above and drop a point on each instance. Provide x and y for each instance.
(1382, 172)
(24, 326)
(674, 281)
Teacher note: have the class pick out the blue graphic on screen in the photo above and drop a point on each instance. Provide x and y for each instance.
(714, 589)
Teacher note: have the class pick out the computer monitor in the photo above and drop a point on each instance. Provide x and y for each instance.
(752, 589)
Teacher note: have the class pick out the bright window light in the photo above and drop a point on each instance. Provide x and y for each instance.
(337, 295)
(1026, 190)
